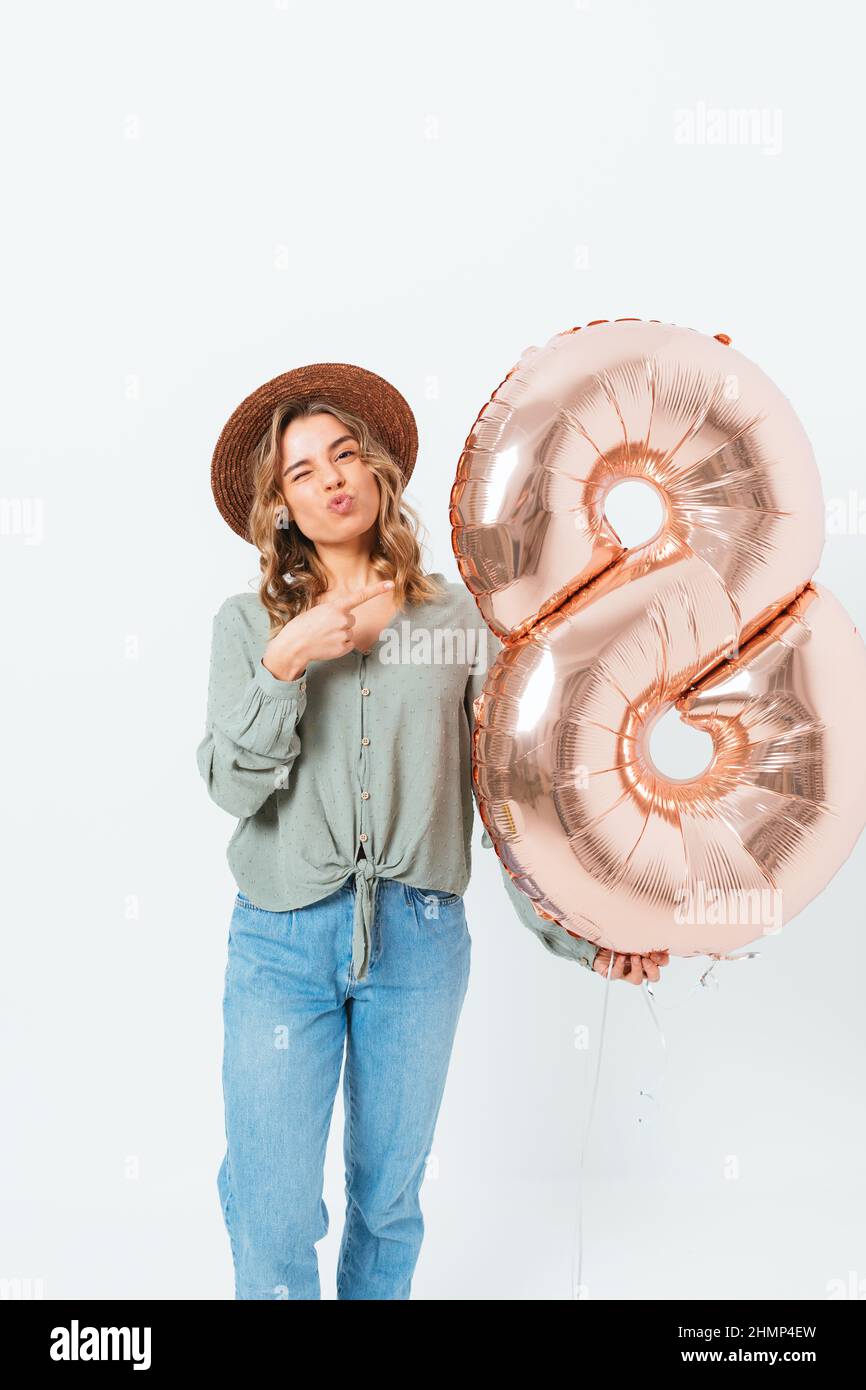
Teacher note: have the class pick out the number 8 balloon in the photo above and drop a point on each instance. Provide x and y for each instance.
(716, 615)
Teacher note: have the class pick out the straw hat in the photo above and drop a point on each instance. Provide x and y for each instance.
(364, 393)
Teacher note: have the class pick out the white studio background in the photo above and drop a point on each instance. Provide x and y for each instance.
(198, 197)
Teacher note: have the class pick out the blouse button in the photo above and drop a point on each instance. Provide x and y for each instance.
(363, 836)
(365, 796)
(365, 740)
(303, 685)
(366, 690)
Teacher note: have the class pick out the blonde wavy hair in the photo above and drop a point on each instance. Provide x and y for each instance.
(292, 575)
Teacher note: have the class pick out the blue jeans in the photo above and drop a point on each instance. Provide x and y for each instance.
(290, 1008)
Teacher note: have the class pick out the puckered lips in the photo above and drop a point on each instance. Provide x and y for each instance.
(341, 503)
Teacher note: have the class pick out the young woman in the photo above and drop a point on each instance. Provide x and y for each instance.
(338, 733)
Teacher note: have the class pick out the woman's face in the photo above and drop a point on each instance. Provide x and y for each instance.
(319, 465)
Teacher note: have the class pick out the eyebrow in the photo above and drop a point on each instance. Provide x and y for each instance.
(332, 445)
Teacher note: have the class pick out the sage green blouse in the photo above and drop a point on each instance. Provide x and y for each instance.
(369, 749)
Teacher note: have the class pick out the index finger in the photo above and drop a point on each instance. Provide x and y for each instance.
(361, 595)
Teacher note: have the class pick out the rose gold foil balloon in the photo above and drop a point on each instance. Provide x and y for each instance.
(717, 616)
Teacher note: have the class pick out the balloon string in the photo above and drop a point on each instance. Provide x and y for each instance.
(577, 1289)
(705, 980)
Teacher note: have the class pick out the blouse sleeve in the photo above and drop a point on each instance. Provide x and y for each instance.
(558, 941)
(251, 739)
